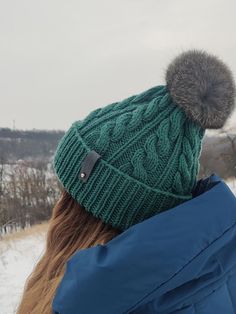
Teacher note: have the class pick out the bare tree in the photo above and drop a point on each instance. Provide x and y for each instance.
(29, 192)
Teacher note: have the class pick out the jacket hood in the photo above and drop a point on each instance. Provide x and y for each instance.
(166, 258)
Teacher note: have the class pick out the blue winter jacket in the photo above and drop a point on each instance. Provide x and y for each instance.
(180, 261)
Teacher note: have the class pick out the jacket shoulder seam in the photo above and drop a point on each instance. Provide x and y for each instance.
(181, 269)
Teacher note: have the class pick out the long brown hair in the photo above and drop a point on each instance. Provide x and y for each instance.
(71, 228)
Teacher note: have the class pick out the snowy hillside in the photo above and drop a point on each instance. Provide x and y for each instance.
(232, 185)
(18, 255)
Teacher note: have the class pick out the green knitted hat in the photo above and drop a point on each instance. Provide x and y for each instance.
(132, 159)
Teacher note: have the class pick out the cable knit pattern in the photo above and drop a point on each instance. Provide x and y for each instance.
(149, 158)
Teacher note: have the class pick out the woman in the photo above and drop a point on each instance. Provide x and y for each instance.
(134, 231)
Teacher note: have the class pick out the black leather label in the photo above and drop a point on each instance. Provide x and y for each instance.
(88, 164)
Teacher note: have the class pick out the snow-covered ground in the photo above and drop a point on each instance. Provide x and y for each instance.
(232, 185)
(17, 259)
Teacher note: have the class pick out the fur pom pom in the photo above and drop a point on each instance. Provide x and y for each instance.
(203, 86)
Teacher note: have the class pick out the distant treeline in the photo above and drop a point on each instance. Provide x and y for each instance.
(28, 145)
(219, 156)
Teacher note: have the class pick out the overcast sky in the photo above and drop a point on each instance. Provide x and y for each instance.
(61, 59)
